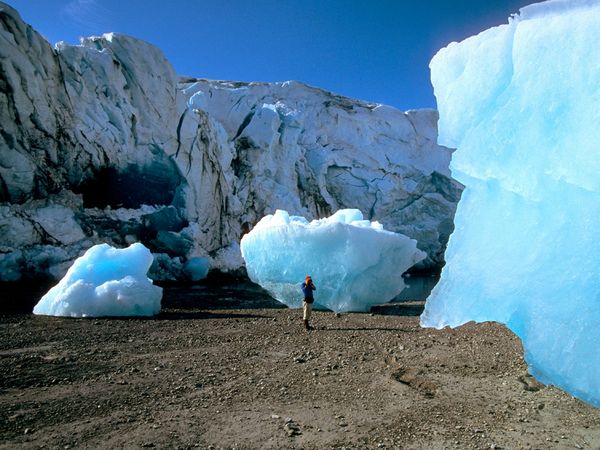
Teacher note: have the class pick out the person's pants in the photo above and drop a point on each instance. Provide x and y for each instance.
(307, 310)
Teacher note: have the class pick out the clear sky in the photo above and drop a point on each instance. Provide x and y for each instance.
(375, 50)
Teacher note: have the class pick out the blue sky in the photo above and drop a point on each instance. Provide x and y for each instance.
(375, 50)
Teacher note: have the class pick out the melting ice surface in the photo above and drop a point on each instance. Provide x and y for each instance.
(105, 281)
(521, 103)
(354, 263)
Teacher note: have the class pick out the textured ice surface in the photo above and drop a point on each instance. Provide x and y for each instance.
(105, 281)
(197, 268)
(520, 102)
(354, 263)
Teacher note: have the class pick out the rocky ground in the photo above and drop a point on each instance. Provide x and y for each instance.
(227, 367)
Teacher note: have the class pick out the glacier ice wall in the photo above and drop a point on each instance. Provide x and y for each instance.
(520, 102)
(355, 263)
(311, 152)
(84, 126)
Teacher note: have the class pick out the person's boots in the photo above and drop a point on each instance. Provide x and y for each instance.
(306, 325)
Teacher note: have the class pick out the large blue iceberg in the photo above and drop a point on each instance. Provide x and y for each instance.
(105, 281)
(354, 263)
(521, 103)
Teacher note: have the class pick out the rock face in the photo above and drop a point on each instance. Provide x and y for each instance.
(102, 142)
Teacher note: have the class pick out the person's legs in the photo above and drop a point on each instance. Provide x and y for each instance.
(307, 311)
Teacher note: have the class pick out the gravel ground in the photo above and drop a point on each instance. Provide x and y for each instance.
(227, 367)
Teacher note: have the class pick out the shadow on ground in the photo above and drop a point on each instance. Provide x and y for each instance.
(408, 308)
(21, 297)
(193, 301)
(241, 295)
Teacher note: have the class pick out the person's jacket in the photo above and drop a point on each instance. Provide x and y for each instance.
(307, 290)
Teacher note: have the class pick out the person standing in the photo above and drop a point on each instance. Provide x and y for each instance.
(307, 289)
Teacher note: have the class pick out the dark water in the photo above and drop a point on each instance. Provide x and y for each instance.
(20, 298)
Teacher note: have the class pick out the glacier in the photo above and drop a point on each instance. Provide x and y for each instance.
(355, 263)
(197, 268)
(520, 104)
(105, 281)
(83, 126)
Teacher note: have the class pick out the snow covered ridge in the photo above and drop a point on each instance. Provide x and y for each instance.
(106, 135)
(520, 104)
(354, 262)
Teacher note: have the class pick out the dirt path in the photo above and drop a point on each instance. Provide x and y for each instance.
(228, 368)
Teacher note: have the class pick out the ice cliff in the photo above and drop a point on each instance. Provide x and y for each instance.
(103, 142)
(520, 104)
